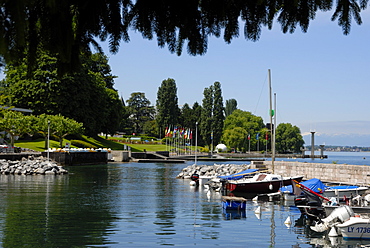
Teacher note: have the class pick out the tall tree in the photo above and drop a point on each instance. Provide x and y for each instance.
(288, 138)
(218, 116)
(252, 125)
(65, 28)
(82, 96)
(206, 116)
(212, 117)
(167, 104)
(231, 105)
(187, 116)
(140, 110)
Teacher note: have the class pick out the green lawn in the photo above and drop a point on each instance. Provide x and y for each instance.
(38, 145)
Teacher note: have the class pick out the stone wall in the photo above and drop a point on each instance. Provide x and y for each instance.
(78, 158)
(343, 173)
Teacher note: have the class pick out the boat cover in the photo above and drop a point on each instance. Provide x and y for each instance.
(343, 187)
(239, 175)
(314, 184)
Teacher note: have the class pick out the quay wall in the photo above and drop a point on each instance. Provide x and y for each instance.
(78, 158)
(343, 173)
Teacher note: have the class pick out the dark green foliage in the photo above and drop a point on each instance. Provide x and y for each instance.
(151, 128)
(205, 127)
(288, 138)
(168, 112)
(82, 144)
(188, 118)
(140, 110)
(231, 105)
(218, 113)
(82, 96)
(212, 115)
(65, 28)
(239, 125)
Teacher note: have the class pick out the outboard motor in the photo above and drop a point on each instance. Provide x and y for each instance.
(310, 205)
(339, 214)
(195, 179)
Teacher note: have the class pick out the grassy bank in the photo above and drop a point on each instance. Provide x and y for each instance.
(98, 142)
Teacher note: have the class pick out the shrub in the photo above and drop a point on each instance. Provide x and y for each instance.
(82, 144)
(203, 149)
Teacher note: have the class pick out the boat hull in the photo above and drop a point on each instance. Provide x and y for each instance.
(234, 203)
(260, 187)
(355, 228)
(345, 192)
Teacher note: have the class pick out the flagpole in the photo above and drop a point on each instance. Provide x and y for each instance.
(271, 125)
(196, 141)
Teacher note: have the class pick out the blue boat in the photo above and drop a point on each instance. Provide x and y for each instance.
(234, 203)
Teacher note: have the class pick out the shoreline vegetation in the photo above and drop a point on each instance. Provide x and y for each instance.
(114, 144)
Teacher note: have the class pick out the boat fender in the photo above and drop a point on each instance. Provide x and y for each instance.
(258, 210)
(288, 221)
(271, 187)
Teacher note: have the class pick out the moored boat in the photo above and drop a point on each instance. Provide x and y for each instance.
(260, 183)
(342, 191)
(357, 227)
(234, 203)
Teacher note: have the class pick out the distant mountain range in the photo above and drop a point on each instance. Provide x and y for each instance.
(347, 133)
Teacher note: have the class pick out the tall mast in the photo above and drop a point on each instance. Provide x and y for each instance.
(271, 126)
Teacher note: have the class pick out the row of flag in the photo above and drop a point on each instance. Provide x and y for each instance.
(178, 132)
(258, 136)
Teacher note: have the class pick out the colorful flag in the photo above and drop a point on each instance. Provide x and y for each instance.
(267, 136)
(257, 136)
(249, 137)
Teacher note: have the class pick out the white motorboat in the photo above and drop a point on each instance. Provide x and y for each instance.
(344, 190)
(357, 227)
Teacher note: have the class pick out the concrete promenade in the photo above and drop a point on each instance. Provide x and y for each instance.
(336, 173)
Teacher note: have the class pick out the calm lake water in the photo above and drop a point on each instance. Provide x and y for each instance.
(142, 205)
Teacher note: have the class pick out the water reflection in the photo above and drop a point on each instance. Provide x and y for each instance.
(40, 210)
(144, 205)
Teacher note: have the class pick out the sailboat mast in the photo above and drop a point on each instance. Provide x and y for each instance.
(271, 126)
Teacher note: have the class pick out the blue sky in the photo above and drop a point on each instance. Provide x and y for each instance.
(321, 78)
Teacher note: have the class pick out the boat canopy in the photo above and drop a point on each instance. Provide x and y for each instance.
(239, 175)
(314, 184)
(342, 187)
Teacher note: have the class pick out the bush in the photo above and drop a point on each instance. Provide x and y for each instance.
(82, 144)
(203, 149)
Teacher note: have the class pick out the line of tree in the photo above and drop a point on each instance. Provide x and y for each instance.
(16, 124)
(88, 97)
(240, 129)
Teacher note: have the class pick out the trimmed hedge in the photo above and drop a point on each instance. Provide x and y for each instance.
(82, 144)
